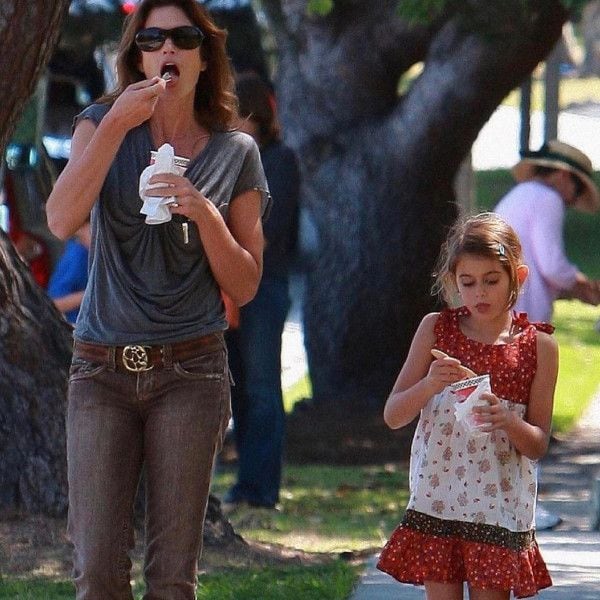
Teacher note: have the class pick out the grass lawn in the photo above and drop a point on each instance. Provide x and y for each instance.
(327, 508)
(572, 91)
(337, 510)
(299, 390)
(36, 589)
(327, 582)
(578, 376)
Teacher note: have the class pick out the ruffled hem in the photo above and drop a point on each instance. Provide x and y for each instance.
(414, 557)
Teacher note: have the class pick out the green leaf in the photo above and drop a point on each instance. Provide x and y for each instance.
(421, 11)
(320, 8)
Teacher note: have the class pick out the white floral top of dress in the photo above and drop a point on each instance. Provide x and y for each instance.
(458, 476)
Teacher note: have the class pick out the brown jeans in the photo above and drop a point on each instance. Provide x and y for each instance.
(170, 419)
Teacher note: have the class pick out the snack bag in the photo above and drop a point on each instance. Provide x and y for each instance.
(162, 161)
(467, 393)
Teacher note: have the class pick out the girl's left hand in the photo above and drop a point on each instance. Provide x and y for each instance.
(493, 415)
(189, 202)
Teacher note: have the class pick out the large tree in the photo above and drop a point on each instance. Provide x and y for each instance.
(382, 110)
(34, 340)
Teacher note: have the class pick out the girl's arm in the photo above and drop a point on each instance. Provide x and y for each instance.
(420, 378)
(531, 435)
(93, 150)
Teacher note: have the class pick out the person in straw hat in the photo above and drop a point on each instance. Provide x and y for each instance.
(550, 180)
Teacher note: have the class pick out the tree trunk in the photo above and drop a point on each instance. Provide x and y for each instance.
(35, 341)
(525, 114)
(551, 94)
(378, 168)
(35, 350)
(28, 33)
(590, 29)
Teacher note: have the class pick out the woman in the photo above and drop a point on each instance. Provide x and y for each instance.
(149, 379)
(255, 347)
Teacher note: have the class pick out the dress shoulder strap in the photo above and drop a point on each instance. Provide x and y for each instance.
(521, 320)
(447, 321)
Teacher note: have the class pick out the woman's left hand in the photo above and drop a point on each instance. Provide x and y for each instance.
(189, 202)
(493, 415)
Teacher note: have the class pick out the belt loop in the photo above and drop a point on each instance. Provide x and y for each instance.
(166, 352)
(112, 358)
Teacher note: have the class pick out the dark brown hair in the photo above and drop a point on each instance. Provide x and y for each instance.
(215, 101)
(485, 235)
(257, 102)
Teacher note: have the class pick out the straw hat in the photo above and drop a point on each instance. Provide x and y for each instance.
(559, 155)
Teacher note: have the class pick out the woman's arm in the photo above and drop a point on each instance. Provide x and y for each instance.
(68, 302)
(93, 150)
(234, 249)
(420, 378)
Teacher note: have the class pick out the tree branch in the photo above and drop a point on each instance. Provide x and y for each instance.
(461, 64)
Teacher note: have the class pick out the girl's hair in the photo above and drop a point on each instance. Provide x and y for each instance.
(257, 102)
(485, 235)
(215, 101)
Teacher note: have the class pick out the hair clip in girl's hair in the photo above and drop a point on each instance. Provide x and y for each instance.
(501, 249)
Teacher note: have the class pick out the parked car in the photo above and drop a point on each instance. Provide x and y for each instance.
(26, 178)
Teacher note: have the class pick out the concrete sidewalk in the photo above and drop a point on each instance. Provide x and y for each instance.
(568, 480)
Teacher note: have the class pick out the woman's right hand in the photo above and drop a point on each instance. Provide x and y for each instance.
(443, 372)
(137, 102)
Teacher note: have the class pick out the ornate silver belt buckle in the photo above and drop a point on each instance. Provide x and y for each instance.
(135, 358)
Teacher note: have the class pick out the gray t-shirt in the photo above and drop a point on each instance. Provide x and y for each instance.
(145, 284)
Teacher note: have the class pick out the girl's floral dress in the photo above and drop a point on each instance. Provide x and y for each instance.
(470, 516)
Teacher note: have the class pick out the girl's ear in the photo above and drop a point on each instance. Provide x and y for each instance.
(522, 273)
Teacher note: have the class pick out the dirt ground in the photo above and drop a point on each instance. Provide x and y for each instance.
(37, 546)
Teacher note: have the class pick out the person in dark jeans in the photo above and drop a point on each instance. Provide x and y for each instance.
(148, 384)
(255, 346)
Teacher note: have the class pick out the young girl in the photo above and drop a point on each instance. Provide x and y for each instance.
(470, 517)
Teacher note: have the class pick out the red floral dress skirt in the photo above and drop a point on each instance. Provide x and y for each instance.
(470, 517)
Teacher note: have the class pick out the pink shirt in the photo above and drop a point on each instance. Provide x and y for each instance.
(537, 213)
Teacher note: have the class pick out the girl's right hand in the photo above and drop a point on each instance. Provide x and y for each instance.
(137, 102)
(443, 372)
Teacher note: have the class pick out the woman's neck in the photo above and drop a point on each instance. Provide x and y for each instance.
(180, 128)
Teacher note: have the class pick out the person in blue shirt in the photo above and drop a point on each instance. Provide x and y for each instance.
(69, 278)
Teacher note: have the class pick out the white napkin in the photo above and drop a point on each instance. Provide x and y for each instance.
(468, 392)
(156, 207)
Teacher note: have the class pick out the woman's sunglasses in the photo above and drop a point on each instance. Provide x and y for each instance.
(186, 37)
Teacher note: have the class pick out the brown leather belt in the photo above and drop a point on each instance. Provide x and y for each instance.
(139, 357)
